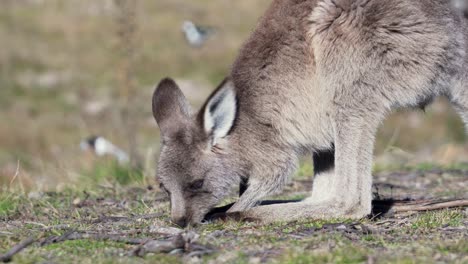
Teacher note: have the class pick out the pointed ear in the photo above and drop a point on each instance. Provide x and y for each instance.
(219, 112)
(170, 107)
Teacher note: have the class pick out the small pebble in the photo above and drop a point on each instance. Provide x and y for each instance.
(341, 227)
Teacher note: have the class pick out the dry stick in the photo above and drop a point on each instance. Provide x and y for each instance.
(148, 216)
(115, 238)
(428, 206)
(383, 206)
(105, 219)
(16, 249)
(74, 235)
(146, 245)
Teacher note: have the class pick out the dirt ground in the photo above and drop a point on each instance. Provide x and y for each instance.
(112, 224)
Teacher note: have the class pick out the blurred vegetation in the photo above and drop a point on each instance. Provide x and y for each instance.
(111, 171)
(70, 69)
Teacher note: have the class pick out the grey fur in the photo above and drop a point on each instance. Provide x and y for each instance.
(316, 77)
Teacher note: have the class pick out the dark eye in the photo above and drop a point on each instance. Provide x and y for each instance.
(196, 185)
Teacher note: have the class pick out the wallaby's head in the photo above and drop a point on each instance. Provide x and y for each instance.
(195, 167)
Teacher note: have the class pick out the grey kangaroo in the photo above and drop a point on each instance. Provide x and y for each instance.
(316, 77)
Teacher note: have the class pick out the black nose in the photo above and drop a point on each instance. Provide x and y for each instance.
(181, 222)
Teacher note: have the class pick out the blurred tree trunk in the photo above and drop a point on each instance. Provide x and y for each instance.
(127, 85)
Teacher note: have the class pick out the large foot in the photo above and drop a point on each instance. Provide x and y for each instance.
(302, 210)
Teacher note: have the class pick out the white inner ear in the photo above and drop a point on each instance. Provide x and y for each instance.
(220, 112)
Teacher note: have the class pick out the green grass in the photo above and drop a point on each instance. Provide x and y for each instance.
(296, 242)
(458, 247)
(9, 203)
(437, 219)
(305, 171)
(113, 172)
(411, 239)
(344, 254)
(83, 247)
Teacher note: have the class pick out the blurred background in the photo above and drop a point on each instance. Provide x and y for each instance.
(77, 68)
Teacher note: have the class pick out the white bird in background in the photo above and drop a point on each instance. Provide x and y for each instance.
(101, 147)
(196, 35)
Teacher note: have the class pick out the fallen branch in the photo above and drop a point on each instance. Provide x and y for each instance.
(16, 249)
(186, 242)
(429, 206)
(56, 227)
(159, 246)
(381, 207)
(106, 219)
(183, 242)
(75, 235)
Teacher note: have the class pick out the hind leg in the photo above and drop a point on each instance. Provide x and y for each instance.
(462, 110)
(345, 191)
(463, 113)
(324, 170)
(459, 99)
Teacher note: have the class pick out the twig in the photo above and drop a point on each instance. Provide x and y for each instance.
(74, 235)
(56, 239)
(16, 249)
(105, 219)
(62, 226)
(429, 206)
(148, 216)
(382, 207)
(185, 242)
(36, 224)
(158, 246)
